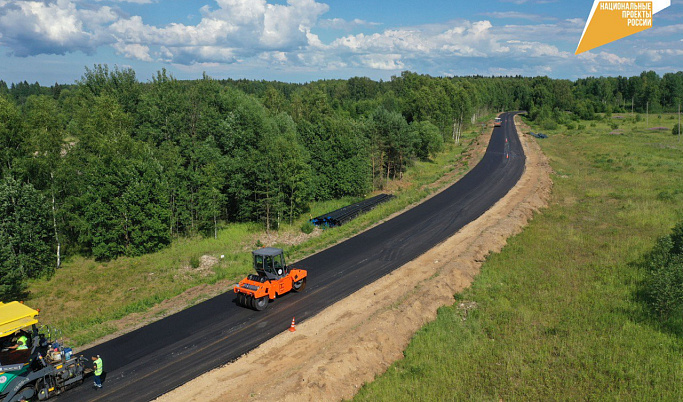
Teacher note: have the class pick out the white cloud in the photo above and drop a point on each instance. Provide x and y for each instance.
(649, 56)
(343, 25)
(602, 63)
(238, 28)
(524, 70)
(565, 30)
(133, 51)
(537, 49)
(201, 54)
(382, 61)
(288, 26)
(468, 39)
(518, 15)
(274, 57)
(235, 27)
(660, 31)
(34, 27)
(604, 58)
(130, 1)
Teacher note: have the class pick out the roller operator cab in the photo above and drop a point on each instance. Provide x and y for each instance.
(273, 278)
(497, 122)
(33, 366)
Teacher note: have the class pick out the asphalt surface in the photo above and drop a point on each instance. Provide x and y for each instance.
(161, 356)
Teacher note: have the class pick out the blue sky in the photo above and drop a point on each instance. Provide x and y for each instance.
(303, 40)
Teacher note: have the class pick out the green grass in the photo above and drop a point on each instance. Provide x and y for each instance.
(84, 296)
(558, 317)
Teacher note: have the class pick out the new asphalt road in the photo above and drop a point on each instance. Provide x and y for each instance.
(153, 360)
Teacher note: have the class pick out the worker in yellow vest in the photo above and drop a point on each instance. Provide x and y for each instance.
(97, 362)
(22, 342)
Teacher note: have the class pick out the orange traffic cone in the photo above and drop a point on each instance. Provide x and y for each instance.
(291, 327)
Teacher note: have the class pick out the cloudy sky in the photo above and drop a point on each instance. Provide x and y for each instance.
(302, 40)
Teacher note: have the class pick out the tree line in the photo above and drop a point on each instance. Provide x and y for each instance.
(113, 166)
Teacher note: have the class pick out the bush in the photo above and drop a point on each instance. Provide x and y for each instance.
(676, 130)
(548, 124)
(663, 284)
(307, 227)
(195, 261)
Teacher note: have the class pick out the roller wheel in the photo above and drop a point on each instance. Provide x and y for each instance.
(299, 285)
(27, 392)
(39, 387)
(261, 303)
(251, 302)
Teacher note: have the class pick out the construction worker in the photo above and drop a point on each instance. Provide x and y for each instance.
(97, 362)
(20, 343)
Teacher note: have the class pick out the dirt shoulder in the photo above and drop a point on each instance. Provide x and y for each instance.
(332, 354)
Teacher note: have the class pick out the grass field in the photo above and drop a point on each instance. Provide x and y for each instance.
(84, 296)
(557, 315)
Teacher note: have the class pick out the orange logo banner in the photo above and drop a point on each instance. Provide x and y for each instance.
(613, 20)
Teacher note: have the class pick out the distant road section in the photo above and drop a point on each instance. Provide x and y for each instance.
(161, 356)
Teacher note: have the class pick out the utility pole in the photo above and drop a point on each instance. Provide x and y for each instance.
(647, 114)
(679, 122)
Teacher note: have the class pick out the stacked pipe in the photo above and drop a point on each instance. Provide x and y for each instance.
(345, 214)
(537, 135)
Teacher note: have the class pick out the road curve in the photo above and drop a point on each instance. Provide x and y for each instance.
(161, 356)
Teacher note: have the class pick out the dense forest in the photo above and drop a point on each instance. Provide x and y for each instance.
(113, 166)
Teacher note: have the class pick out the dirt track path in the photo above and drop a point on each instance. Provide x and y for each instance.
(331, 355)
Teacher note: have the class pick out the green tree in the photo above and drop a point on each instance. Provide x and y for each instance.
(651, 91)
(430, 140)
(210, 198)
(292, 168)
(118, 83)
(663, 284)
(274, 100)
(10, 135)
(25, 237)
(672, 90)
(118, 200)
(395, 143)
(45, 130)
